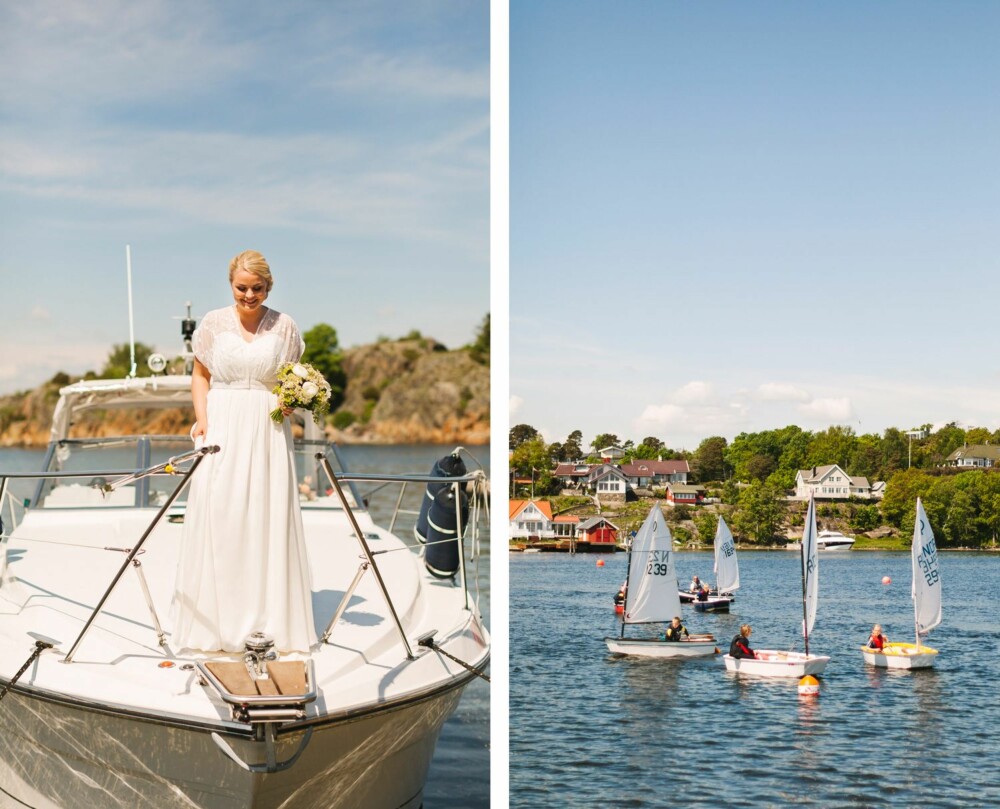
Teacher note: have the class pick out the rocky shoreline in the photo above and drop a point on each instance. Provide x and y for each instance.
(411, 391)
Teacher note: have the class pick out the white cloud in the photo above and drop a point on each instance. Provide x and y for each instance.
(514, 405)
(659, 416)
(780, 392)
(40, 313)
(29, 364)
(695, 392)
(409, 76)
(836, 409)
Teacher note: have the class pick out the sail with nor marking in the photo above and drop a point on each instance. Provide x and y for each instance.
(926, 590)
(727, 569)
(810, 567)
(652, 578)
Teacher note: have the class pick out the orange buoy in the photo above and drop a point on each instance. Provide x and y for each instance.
(886, 580)
(600, 563)
(808, 686)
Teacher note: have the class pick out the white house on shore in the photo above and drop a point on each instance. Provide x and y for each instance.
(978, 456)
(645, 473)
(607, 480)
(830, 482)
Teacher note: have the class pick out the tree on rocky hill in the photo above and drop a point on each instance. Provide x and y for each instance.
(119, 362)
(708, 462)
(531, 460)
(480, 349)
(521, 433)
(324, 354)
(604, 440)
(759, 513)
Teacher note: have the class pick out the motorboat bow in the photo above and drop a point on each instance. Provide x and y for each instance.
(99, 710)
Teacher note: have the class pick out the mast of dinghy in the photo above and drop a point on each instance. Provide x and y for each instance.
(628, 576)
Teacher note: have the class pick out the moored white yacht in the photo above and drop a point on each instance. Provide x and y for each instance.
(105, 713)
(834, 541)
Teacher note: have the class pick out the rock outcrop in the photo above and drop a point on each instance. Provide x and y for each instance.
(403, 391)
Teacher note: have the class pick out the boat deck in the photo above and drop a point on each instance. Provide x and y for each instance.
(53, 580)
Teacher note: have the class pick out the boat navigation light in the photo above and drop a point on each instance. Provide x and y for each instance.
(157, 363)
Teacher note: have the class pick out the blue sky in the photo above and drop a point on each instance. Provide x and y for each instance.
(347, 141)
(731, 217)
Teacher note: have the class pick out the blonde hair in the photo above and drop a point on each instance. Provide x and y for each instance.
(744, 629)
(254, 262)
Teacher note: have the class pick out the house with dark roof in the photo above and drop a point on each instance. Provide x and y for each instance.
(596, 534)
(830, 482)
(571, 475)
(977, 456)
(645, 473)
(685, 494)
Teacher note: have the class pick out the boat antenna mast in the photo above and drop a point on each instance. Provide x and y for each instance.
(188, 325)
(131, 319)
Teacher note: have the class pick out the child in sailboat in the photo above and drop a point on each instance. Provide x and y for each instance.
(740, 647)
(675, 629)
(877, 640)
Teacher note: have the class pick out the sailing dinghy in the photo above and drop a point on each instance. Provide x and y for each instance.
(727, 572)
(651, 595)
(773, 663)
(926, 593)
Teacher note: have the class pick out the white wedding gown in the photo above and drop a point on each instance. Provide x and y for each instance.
(243, 565)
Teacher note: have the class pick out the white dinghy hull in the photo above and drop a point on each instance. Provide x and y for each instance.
(773, 663)
(713, 604)
(651, 647)
(900, 656)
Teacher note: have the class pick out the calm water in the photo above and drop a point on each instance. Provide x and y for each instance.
(588, 729)
(459, 773)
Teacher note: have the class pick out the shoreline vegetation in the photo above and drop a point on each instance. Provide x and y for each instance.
(751, 482)
(410, 390)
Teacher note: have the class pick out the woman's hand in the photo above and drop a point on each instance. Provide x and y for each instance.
(287, 411)
(199, 429)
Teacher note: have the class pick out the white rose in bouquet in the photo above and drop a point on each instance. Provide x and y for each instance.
(301, 385)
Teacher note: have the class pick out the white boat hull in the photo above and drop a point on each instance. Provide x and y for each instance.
(56, 755)
(713, 604)
(774, 663)
(651, 647)
(900, 656)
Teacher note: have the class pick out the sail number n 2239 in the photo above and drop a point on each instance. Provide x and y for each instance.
(657, 565)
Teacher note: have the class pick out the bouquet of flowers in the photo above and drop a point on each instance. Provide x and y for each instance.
(301, 385)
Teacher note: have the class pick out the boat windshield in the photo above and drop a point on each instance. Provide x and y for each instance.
(94, 462)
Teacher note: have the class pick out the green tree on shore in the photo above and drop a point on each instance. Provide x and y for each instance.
(324, 354)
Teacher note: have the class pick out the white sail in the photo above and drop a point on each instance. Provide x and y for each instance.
(926, 589)
(810, 567)
(727, 569)
(652, 578)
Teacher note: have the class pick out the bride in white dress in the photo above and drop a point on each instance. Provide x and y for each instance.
(243, 565)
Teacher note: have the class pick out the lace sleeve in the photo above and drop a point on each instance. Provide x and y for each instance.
(203, 340)
(292, 344)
